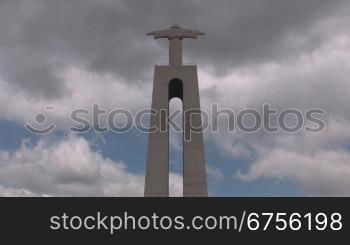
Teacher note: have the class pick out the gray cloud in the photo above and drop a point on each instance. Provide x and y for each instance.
(40, 38)
(249, 32)
(323, 174)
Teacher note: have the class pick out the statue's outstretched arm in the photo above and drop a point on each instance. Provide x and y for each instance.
(191, 34)
(158, 34)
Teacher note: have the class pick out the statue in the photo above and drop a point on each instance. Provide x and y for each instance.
(175, 35)
(175, 32)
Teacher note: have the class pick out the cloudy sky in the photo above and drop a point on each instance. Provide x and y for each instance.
(71, 54)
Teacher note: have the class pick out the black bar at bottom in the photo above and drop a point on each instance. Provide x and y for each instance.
(169, 220)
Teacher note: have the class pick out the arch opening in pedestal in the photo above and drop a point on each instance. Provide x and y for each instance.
(176, 159)
(175, 89)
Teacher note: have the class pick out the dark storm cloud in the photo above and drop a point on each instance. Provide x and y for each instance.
(38, 38)
(241, 32)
